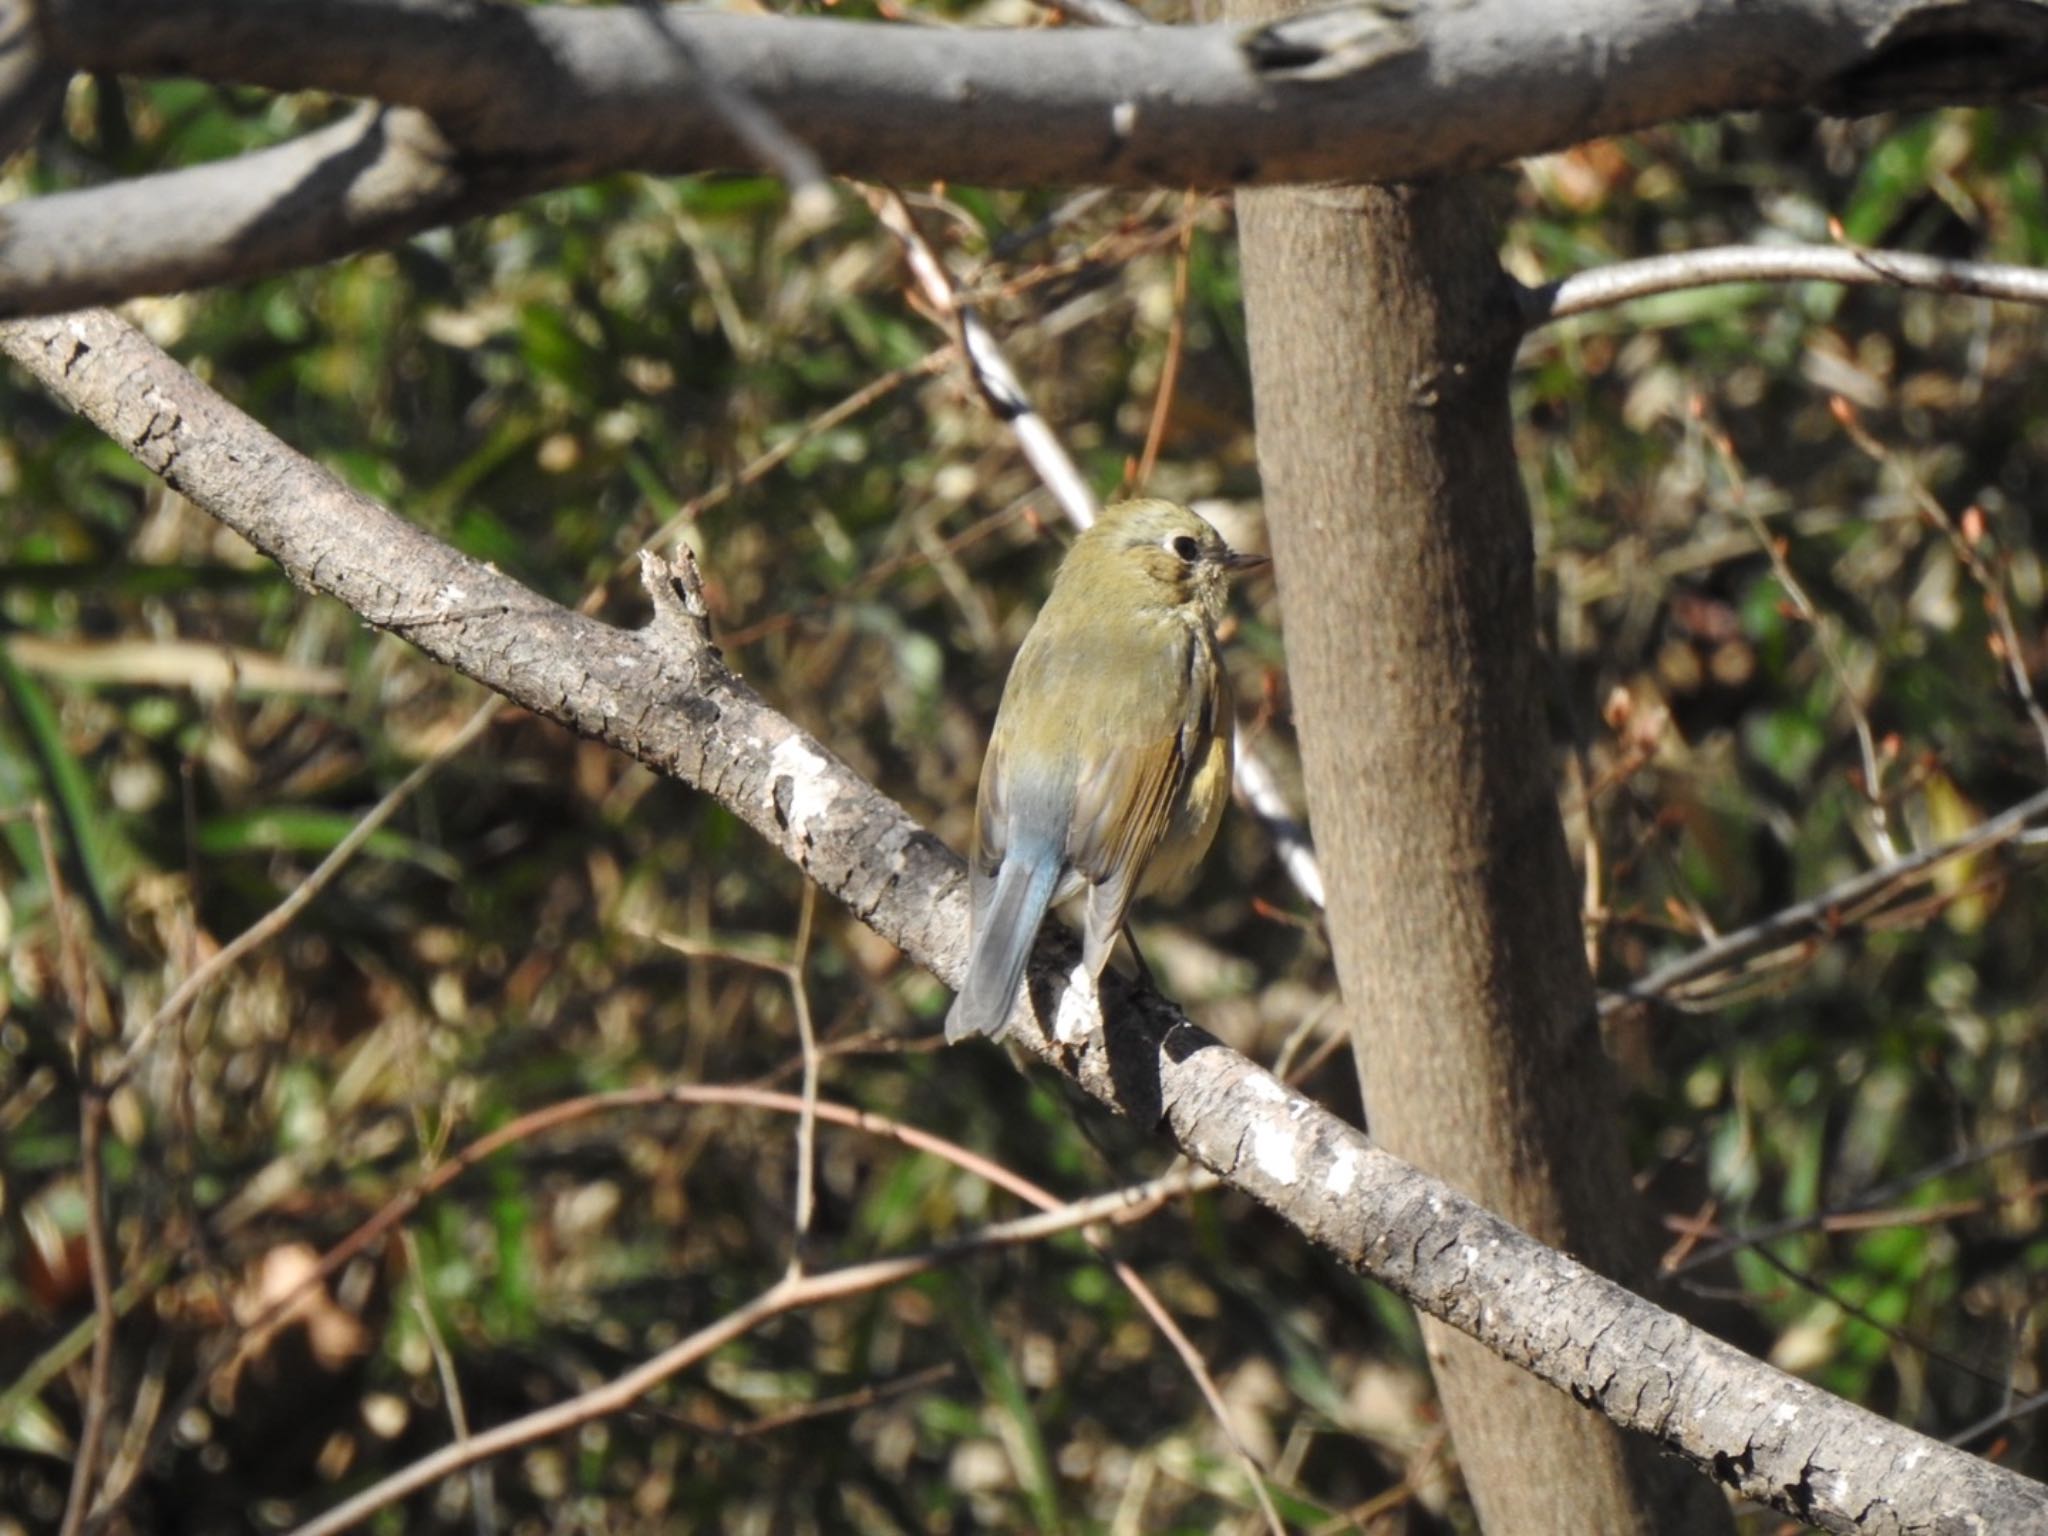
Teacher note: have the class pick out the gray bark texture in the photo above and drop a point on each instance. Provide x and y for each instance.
(662, 695)
(489, 102)
(1381, 331)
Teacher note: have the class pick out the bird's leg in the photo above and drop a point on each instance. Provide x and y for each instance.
(1145, 975)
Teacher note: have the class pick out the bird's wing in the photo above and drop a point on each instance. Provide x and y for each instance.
(1131, 773)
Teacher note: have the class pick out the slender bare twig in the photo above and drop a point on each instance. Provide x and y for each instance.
(1834, 910)
(1605, 287)
(281, 916)
(99, 1380)
(1962, 539)
(1860, 1220)
(789, 1294)
(1169, 369)
(845, 1402)
(1883, 1195)
(483, 1506)
(144, 1416)
(773, 458)
(875, 574)
(1823, 632)
(807, 1115)
(791, 971)
(63, 1352)
(92, 1121)
(2005, 1415)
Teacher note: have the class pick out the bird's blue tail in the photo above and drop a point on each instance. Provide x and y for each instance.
(1003, 936)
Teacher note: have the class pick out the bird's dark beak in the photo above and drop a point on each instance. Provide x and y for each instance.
(1237, 562)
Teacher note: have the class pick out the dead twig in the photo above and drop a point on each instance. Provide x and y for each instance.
(1833, 911)
(791, 1293)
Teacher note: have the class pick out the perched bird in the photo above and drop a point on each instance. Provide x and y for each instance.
(1110, 761)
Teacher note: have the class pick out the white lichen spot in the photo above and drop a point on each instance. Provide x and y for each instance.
(1840, 1492)
(451, 594)
(807, 798)
(1259, 1086)
(1785, 1413)
(1078, 1008)
(1469, 1254)
(1912, 1459)
(1343, 1175)
(1273, 1151)
(626, 659)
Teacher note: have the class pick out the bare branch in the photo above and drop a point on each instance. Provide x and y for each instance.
(662, 696)
(371, 179)
(1840, 906)
(1605, 287)
(528, 97)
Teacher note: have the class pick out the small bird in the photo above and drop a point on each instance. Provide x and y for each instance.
(1110, 761)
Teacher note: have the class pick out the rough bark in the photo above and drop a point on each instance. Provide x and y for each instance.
(493, 102)
(662, 695)
(1381, 332)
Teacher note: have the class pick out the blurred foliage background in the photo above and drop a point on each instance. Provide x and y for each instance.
(1739, 573)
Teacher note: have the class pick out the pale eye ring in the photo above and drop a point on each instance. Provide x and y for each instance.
(1185, 547)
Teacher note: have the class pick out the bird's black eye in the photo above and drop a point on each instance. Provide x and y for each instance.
(1186, 548)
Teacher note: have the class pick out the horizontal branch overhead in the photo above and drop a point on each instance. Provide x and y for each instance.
(662, 695)
(499, 101)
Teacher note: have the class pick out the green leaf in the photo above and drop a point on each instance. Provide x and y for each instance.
(294, 829)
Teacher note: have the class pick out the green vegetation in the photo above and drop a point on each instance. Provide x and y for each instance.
(547, 389)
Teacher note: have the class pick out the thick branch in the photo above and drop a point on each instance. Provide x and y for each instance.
(539, 96)
(662, 695)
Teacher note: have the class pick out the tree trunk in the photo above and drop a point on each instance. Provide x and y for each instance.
(1382, 331)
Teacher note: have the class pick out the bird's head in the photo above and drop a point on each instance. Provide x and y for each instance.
(1158, 553)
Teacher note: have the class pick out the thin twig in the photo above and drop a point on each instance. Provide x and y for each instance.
(92, 1121)
(1866, 739)
(1839, 907)
(1991, 1421)
(807, 1116)
(1997, 605)
(483, 1505)
(1883, 1195)
(846, 1402)
(767, 462)
(281, 916)
(1624, 281)
(791, 972)
(788, 1294)
(874, 575)
(1169, 369)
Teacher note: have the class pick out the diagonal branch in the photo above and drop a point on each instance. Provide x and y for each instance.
(1605, 287)
(1841, 906)
(662, 695)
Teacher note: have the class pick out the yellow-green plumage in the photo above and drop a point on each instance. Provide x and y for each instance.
(1110, 762)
